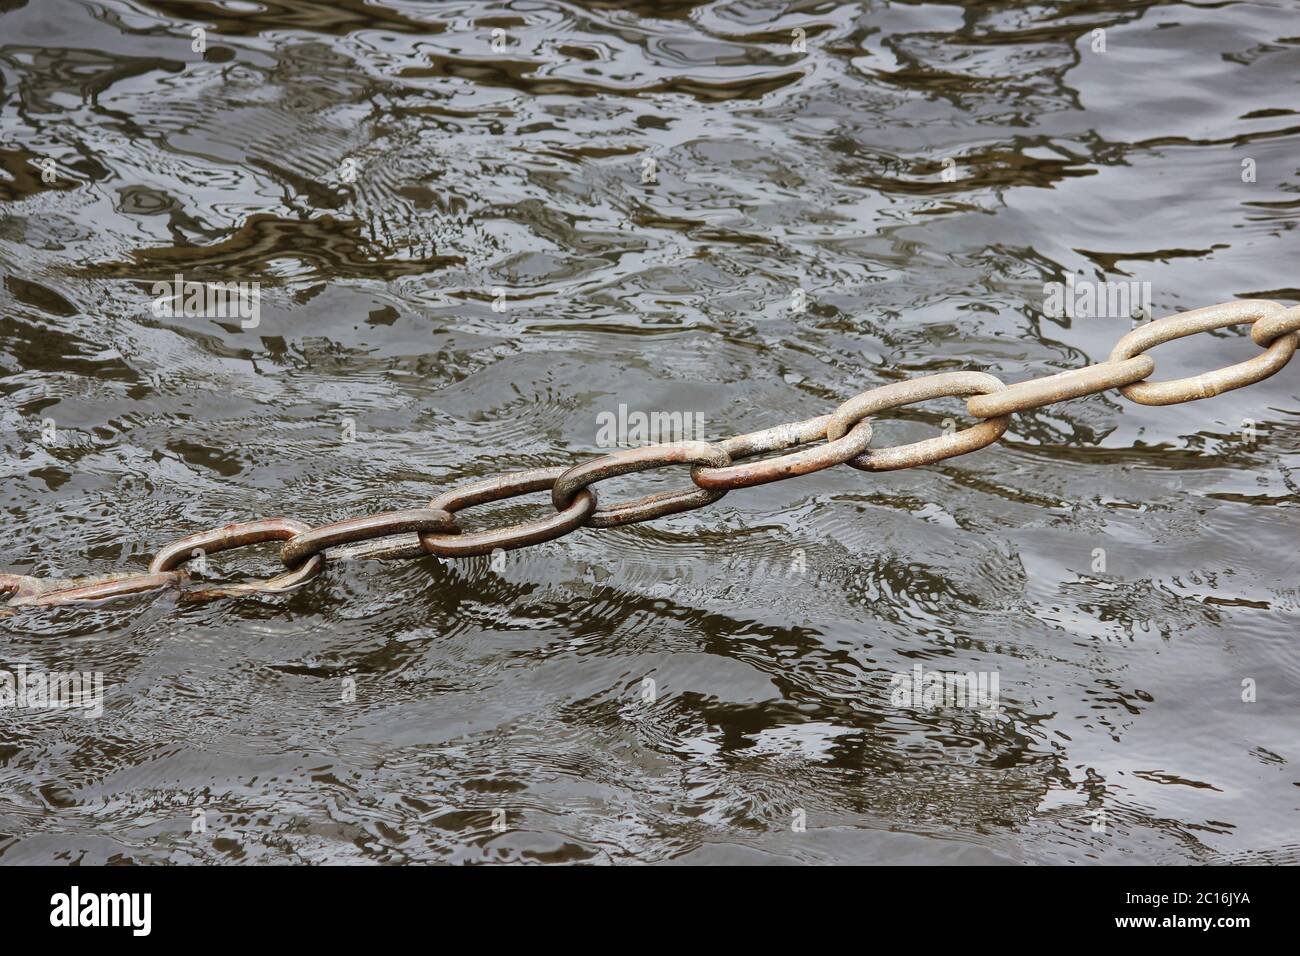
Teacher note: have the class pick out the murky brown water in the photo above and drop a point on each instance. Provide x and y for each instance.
(383, 171)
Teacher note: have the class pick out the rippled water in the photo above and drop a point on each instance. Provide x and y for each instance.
(460, 254)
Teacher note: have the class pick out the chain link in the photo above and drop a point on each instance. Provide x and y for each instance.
(460, 545)
(844, 435)
(786, 466)
(1277, 353)
(29, 591)
(300, 547)
(631, 460)
(231, 536)
(1024, 396)
(931, 450)
(1270, 327)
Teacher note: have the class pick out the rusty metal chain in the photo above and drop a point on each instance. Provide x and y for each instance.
(842, 437)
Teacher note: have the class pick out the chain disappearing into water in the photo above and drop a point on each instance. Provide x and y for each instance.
(842, 437)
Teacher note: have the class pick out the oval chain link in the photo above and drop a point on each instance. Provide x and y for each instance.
(231, 536)
(516, 535)
(631, 460)
(302, 546)
(930, 450)
(786, 466)
(34, 591)
(846, 434)
(1023, 396)
(1209, 384)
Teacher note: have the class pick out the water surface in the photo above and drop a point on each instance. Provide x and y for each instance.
(463, 266)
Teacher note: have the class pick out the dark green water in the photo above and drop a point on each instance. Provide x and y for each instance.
(382, 171)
